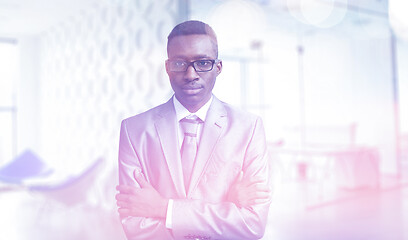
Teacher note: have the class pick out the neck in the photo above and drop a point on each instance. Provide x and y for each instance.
(193, 107)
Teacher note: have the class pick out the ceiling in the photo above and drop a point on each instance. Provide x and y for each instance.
(30, 17)
(295, 16)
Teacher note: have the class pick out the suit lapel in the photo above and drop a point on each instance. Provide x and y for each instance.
(166, 127)
(214, 123)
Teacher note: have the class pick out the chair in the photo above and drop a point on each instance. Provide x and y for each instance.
(24, 166)
(70, 190)
(73, 199)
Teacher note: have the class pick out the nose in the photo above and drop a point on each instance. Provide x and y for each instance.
(190, 74)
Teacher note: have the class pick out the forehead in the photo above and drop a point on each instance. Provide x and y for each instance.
(191, 47)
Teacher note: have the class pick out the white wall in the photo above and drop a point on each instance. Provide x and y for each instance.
(402, 62)
(28, 115)
(98, 67)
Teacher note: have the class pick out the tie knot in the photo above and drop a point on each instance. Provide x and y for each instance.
(190, 125)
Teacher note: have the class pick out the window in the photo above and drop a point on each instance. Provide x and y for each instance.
(8, 111)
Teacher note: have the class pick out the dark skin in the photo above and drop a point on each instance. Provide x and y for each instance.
(140, 202)
(193, 90)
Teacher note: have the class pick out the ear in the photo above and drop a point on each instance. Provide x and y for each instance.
(219, 67)
(167, 67)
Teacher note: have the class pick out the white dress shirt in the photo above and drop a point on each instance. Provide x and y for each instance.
(182, 112)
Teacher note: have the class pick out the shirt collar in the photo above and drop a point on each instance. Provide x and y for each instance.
(182, 112)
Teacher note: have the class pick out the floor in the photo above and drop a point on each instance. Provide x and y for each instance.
(372, 214)
(298, 212)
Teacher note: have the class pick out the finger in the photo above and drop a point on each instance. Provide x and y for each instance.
(139, 177)
(124, 211)
(261, 201)
(261, 195)
(254, 180)
(254, 198)
(260, 187)
(250, 202)
(134, 212)
(126, 189)
(123, 215)
(118, 196)
(123, 197)
(122, 204)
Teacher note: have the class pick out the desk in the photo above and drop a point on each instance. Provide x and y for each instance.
(352, 167)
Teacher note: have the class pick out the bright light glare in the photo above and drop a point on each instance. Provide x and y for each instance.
(320, 13)
(238, 22)
(8, 60)
(315, 12)
(398, 17)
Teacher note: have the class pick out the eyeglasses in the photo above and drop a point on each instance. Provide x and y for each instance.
(198, 65)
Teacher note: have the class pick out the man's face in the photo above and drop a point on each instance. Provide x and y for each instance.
(193, 89)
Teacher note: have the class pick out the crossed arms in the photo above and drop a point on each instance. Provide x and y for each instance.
(147, 202)
(241, 215)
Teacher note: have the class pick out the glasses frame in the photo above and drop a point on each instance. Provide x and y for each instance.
(192, 63)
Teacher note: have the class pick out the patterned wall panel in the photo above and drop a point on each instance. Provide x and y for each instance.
(98, 67)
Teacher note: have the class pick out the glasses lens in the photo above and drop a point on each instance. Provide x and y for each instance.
(199, 65)
(177, 66)
(203, 65)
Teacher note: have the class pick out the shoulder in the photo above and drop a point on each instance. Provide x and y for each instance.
(144, 119)
(242, 124)
(236, 113)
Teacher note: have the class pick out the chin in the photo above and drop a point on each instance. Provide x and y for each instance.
(193, 99)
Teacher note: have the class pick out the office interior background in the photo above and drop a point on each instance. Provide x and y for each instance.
(328, 77)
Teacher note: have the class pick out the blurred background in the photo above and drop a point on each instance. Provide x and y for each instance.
(328, 77)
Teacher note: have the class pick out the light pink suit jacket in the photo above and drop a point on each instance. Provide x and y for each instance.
(231, 141)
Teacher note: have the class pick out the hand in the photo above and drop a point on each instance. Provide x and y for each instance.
(248, 192)
(140, 202)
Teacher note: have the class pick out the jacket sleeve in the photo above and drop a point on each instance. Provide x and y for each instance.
(136, 227)
(224, 220)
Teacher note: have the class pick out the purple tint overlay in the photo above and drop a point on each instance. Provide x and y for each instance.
(73, 189)
(24, 166)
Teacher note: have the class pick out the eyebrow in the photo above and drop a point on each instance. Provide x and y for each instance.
(194, 57)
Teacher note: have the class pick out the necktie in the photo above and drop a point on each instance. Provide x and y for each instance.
(189, 147)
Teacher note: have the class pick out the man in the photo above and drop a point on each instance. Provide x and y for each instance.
(207, 182)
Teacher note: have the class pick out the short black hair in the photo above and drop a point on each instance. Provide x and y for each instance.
(193, 27)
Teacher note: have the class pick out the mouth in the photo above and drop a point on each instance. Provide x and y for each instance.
(192, 90)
